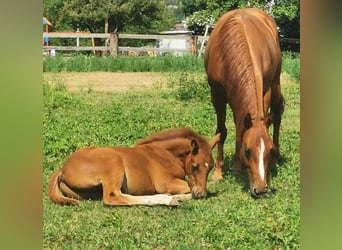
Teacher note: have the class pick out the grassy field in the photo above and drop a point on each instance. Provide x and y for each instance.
(228, 219)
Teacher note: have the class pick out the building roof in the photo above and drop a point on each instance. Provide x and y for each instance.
(176, 32)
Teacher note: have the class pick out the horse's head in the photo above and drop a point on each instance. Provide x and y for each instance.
(198, 164)
(257, 153)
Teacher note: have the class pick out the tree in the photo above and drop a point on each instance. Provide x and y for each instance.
(202, 12)
(145, 16)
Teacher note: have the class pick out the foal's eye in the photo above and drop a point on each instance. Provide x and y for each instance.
(248, 153)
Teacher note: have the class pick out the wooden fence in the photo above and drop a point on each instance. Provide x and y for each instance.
(112, 43)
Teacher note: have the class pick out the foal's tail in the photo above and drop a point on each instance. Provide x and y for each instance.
(55, 192)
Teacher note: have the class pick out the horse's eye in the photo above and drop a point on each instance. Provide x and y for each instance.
(248, 153)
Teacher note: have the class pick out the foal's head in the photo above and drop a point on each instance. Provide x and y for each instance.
(198, 164)
(257, 153)
(193, 150)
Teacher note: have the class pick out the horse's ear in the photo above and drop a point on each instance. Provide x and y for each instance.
(194, 147)
(248, 121)
(215, 140)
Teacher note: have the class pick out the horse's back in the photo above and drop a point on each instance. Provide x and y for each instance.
(243, 37)
(262, 37)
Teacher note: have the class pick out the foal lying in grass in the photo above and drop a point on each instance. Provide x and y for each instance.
(150, 173)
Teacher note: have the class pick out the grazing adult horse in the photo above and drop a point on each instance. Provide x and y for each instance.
(150, 173)
(243, 65)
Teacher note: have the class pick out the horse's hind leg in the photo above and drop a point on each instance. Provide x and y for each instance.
(112, 195)
(112, 184)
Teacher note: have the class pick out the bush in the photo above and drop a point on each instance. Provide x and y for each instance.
(187, 87)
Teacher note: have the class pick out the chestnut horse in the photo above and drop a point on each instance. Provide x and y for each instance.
(150, 173)
(243, 65)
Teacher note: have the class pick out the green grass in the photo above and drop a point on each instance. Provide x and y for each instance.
(166, 63)
(229, 218)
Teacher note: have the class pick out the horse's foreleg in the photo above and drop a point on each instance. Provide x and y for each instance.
(267, 101)
(176, 186)
(277, 107)
(220, 109)
(236, 160)
(219, 165)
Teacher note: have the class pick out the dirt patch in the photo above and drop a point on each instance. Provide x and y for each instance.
(106, 81)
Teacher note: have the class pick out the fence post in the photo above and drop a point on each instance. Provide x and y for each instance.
(193, 45)
(113, 44)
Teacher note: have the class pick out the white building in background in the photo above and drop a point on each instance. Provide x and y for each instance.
(182, 43)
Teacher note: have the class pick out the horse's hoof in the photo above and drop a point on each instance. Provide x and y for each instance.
(184, 197)
(175, 201)
(236, 172)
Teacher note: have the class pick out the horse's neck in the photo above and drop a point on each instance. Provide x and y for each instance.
(179, 147)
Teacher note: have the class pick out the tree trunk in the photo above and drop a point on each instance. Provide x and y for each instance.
(106, 31)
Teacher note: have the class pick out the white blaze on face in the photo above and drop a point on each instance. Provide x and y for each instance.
(261, 159)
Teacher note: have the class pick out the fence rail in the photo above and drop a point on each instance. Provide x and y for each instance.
(111, 44)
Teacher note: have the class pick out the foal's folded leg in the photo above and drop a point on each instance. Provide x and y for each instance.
(176, 186)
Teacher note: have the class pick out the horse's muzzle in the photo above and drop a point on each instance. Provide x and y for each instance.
(258, 193)
(198, 192)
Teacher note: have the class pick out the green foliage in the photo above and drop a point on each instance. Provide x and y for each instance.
(228, 219)
(291, 65)
(136, 16)
(189, 87)
(202, 12)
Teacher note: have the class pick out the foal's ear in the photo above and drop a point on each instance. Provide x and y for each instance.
(248, 121)
(194, 147)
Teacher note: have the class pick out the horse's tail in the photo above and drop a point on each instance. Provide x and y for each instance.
(55, 192)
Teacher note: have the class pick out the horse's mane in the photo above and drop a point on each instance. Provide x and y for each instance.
(185, 133)
(237, 61)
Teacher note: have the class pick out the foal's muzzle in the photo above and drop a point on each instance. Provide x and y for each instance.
(198, 192)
